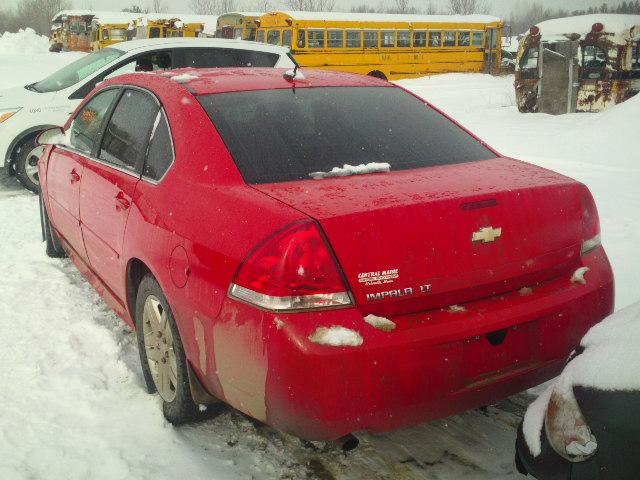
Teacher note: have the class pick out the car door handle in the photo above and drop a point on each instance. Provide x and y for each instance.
(124, 203)
(74, 176)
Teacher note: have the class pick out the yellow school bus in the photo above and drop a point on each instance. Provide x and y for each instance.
(240, 25)
(387, 45)
(105, 34)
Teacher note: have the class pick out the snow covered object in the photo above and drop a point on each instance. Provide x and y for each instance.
(578, 64)
(321, 306)
(586, 424)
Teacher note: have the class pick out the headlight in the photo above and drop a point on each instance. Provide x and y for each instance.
(7, 113)
(566, 428)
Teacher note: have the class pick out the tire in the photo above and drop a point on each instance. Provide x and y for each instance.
(26, 163)
(49, 236)
(157, 333)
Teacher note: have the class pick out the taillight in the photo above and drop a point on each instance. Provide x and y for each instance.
(590, 223)
(566, 428)
(293, 270)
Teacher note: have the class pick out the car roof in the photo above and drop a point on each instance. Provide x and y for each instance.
(206, 81)
(151, 43)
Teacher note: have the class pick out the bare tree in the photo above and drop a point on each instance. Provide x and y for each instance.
(311, 5)
(37, 14)
(400, 6)
(158, 6)
(430, 9)
(262, 5)
(467, 7)
(212, 7)
(203, 7)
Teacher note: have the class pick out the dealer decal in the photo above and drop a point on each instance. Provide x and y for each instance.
(378, 278)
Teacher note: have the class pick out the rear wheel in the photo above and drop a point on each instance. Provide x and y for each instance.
(26, 163)
(49, 236)
(164, 363)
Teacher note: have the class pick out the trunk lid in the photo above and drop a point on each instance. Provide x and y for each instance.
(428, 238)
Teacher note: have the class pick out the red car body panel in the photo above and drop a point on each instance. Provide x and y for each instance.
(193, 229)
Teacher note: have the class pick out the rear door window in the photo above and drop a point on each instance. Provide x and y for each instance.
(160, 152)
(224, 57)
(87, 124)
(126, 137)
(284, 135)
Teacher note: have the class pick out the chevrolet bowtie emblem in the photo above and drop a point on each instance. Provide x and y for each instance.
(486, 234)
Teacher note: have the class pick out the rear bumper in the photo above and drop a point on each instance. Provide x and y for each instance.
(432, 365)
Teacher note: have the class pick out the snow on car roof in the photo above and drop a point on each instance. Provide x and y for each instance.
(388, 17)
(199, 42)
(618, 25)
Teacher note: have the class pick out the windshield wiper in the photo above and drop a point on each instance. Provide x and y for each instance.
(32, 87)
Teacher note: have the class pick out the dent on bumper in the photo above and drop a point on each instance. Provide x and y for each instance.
(431, 365)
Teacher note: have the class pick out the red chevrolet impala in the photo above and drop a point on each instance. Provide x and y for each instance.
(323, 251)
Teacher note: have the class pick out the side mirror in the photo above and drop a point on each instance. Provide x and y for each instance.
(52, 136)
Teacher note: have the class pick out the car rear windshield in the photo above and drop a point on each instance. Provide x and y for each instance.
(290, 134)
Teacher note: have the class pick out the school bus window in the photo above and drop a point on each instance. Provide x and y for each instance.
(252, 35)
(121, 34)
(529, 59)
(237, 33)
(593, 57)
(286, 38)
(477, 39)
(494, 38)
(464, 39)
(260, 36)
(154, 32)
(435, 39)
(105, 34)
(273, 37)
(449, 39)
(300, 42)
(635, 59)
(354, 39)
(315, 39)
(370, 39)
(404, 38)
(335, 38)
(388, 39)
(419, 39)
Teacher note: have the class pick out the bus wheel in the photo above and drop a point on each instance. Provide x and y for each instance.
(377, 74)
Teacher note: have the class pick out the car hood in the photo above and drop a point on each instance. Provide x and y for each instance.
(21, 97)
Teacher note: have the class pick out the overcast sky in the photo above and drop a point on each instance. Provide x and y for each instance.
(497, 7)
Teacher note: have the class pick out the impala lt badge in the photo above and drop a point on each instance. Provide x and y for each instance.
(486, 234)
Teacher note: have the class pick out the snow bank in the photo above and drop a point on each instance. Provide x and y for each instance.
(347, 170)
(336, 336)
(25, 41)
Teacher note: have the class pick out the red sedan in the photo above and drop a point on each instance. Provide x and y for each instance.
(323, 251)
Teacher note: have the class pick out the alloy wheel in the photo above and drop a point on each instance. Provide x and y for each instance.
(158, 344)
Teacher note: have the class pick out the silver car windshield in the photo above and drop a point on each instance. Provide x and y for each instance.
(77, 71)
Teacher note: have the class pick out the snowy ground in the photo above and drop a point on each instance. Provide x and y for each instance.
(72, 396)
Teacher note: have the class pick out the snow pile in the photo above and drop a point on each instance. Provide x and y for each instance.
(184, 77)
(348, 170)
(609, 362)
(336, 336)
(578, 276)
(380, 323)
(24, 42)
